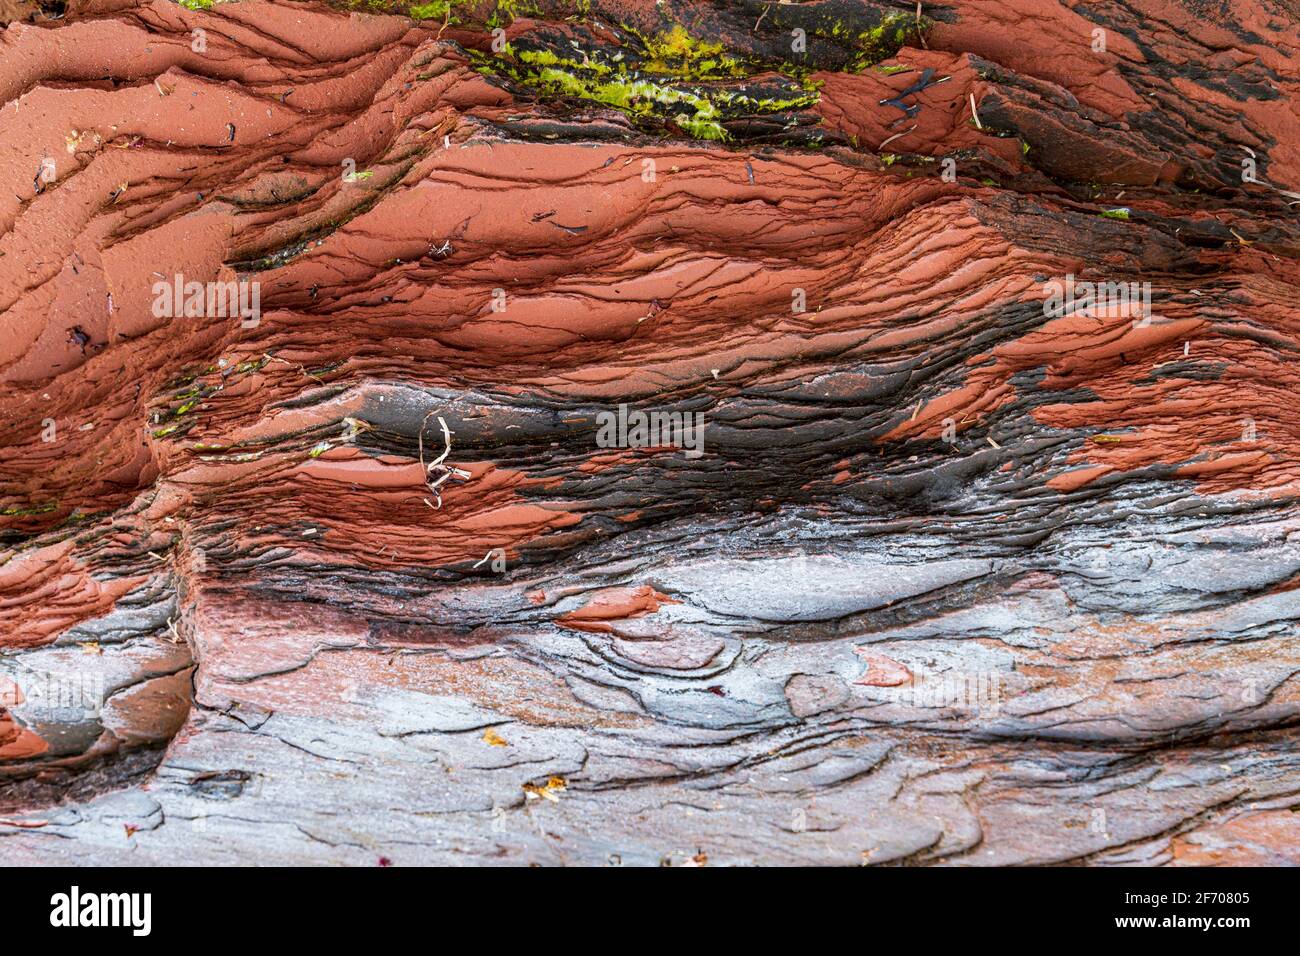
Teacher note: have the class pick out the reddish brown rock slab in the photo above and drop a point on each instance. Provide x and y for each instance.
(1263, 838)
(364, 574)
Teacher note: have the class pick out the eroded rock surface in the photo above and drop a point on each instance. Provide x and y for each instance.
(947, 577)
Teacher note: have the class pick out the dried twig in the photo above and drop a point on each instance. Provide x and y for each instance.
(895, 136)
(444, 471)
(274, 358)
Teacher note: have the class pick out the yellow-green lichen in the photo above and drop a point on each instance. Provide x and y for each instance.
(653, 84)
(631, 95)
(882, 41)
(435, 10)
(430, 11)
(677, 53)
(15, 511)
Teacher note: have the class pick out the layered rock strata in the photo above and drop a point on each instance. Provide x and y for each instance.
(974, 539)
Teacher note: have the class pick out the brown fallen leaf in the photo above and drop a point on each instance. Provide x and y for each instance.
(546, 791)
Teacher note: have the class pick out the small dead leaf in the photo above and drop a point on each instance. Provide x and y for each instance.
(546, 791)
(492, 737)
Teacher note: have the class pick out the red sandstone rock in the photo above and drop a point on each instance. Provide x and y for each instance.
(238, 556)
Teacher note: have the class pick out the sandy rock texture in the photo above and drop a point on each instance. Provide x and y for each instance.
(930, 568)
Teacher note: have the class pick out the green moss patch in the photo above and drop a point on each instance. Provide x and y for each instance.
(666, 78)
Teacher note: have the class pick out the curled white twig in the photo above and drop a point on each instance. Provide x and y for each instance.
(436, 467)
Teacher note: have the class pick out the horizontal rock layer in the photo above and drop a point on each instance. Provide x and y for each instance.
(931, 568)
